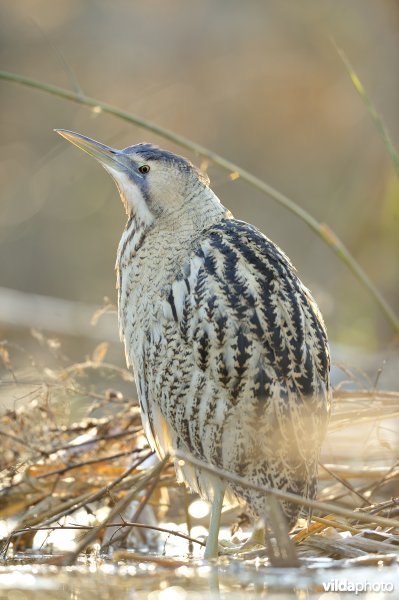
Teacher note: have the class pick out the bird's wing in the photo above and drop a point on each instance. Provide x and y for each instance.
(243, 370)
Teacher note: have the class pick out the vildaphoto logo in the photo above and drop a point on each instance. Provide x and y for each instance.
(358, 587)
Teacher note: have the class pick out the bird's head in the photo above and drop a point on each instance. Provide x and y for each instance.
(152, 182)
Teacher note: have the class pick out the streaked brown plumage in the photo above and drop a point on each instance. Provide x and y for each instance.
(228, 348)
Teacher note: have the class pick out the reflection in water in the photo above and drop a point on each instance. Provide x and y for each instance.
(200, 581)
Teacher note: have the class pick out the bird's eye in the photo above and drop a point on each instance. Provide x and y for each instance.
(144, 168)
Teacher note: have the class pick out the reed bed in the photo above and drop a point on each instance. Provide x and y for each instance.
(97, 475)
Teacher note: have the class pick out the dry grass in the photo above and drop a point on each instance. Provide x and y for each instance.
(52, 468)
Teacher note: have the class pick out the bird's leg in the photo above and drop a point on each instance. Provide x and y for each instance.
(212, 546)
(281, 550)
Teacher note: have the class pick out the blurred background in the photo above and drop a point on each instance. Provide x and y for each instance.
(258, 82)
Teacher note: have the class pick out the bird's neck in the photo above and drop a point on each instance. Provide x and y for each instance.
(150, 257)
(200, 210)
(175, 231)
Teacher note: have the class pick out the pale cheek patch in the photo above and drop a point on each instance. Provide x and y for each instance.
(131, 196)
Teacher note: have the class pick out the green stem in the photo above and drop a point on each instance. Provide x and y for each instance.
(321, 229)
(378, 122)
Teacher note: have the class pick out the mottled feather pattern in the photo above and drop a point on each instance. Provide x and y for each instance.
(229, 352)
(228, 349)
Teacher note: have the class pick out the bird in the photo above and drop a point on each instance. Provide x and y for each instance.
(228, 348)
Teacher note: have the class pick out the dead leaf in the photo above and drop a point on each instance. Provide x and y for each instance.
(100, 352)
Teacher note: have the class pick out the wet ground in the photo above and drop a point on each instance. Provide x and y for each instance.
(176, 579)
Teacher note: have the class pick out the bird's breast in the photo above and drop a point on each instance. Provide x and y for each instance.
(145, 278)
(148, 265)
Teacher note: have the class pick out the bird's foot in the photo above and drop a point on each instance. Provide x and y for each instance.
(256, 542)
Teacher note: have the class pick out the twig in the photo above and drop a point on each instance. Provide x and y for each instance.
(18, 532)
(346, 484)
(83, 463)
(74, 504)
(366, 394)
(65, 508)
(18, 440)
(360, 472)
(378, 122)
(105, 489)
(386, 507)
(321, 229)
(391, 474)
(154, 480)
(335, 524)
(91, 364)
(289, 496)
(119, 506)
(161, 561)
(111, 436)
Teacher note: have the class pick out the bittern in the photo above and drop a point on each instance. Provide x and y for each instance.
(227, 346)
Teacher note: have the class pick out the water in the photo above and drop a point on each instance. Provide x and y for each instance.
(28, 577)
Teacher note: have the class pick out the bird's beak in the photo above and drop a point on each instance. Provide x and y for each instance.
(107, 156)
